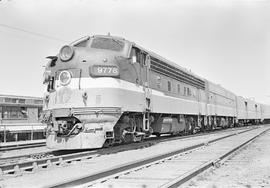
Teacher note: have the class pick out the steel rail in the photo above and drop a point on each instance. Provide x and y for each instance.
(22, 146)
(179, 181)
(116, 170)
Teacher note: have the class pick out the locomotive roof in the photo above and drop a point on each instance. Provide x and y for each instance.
(153, 54)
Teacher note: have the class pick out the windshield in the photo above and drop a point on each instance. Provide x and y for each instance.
(107, 44)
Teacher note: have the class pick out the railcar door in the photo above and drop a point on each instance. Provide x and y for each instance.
(144, 61)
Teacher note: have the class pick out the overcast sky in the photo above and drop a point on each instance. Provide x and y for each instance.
(224, 41)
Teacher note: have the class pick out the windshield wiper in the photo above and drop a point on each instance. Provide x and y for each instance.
(80, 40)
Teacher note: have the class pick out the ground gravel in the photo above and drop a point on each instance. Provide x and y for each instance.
(249, 167)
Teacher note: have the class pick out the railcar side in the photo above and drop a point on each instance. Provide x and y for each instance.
(248, 111)
(265, 110)
(221, 106)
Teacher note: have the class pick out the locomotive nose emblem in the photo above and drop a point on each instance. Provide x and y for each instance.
(64, 95)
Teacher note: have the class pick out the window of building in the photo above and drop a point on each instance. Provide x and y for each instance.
(14, 100)
(14, 112)
(169, 86)
(40, 113)
(23, 136)
(7, 99)
(185, 91)
(38, 101)
(10, 100)
(38, 135)
(22, 101)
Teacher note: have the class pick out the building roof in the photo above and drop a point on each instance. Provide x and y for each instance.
(20, 97)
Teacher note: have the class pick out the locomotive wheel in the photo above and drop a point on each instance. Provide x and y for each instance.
(128, 138)
(108, 143)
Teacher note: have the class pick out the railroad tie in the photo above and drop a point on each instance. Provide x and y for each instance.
(61, 161)
(49, 163)
(17, 170)
(35, 167)
(1, 174)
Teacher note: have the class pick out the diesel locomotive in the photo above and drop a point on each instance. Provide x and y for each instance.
(102, 90)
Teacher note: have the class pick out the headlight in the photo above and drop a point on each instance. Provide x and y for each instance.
(65, 78)
(66, 53)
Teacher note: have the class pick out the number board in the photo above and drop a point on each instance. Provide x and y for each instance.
(101, 70)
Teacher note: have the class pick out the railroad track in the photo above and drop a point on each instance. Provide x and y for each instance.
(28, 163)
(170, 169)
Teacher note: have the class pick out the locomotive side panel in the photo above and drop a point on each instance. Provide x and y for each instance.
(175, 97)
(258, 112)
(248, 111)
(251, 109)
(265, 113)
(241, 108)
(221, 101)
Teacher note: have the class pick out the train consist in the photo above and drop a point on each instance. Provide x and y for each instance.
(103, 90)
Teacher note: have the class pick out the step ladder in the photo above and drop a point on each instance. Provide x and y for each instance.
(146, 120)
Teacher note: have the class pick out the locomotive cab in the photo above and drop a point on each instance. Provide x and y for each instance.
(88, 89)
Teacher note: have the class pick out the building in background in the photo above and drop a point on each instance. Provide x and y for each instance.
(20, 118)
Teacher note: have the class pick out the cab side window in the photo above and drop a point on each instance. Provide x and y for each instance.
(140, 56)
(135, 52)
(143, 57)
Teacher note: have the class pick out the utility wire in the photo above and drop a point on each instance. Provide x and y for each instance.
(32, 33)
